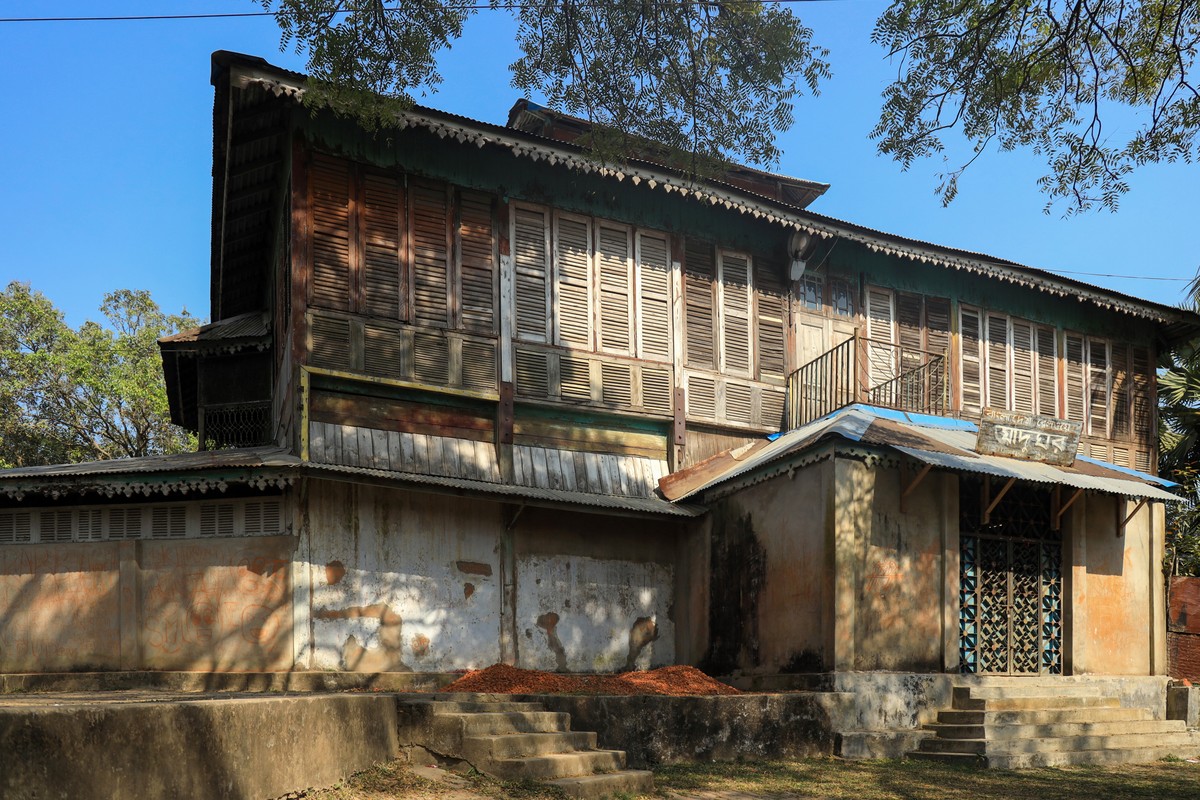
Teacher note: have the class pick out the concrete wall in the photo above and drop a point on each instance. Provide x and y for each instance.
(897, 596)
(593, 594)
(176, 605)
(769, 577)
(1116, 623)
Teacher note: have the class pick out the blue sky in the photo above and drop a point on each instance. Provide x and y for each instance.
(106, 144)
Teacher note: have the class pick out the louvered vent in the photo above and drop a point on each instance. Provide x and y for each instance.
(1097, 388)
(168, 522)
(772, 409)
(997, 361)
(330, 182)
(654, 297)
(1142, 461)
(937, 325)
(1120, 456)
(429, 231)
(91, 525)
(479, 366)
(656, 390)
(263, 518)
(216, 519)
(909, 311)
(972, 372)
(478, 256)
(1122, 414)
(1047, 372)
(329, 339)
(573, 251)
(55, 526)
(575, 381)
(735, 313)
(701, 397)
(383, 351)
(699, 280)
(15, 527)
(616, 384)
(613, 266)
(125, 523)
(531, 267)
(532, 377)
(1098, 451)
(381, 222)
(739, 403)
(1143, 410)
(431, 360)
(1022, 366)
(1076, 378)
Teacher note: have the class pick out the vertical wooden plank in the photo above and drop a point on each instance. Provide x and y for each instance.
(506, 305)
(450, 463)
(541, 479)
(592, 466)
(301, 248)
(395, 457)
(420, 453)
(433, 455)
(366, 448)
(379, 450)
(623, 465)
(554, 468)
(333, 444)
(316, 441)
(408, 458)
(349, 445)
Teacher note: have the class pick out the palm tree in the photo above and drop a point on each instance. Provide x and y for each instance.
(1179, 444)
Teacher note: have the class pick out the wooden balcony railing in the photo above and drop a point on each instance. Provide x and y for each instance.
(862, 370)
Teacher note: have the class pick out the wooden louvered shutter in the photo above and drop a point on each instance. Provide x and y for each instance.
(429, 228)
(1047, 372)
(330, 186)
(770, 319)
(477, 255)
(908, 323)
(572, 256)
(381, 221)
(614, 265)
(937, 326)
(1076, 378)
(1023, 381)
(1097, 377)
(734, 292)
(997, 362)
(972, 360)
(531, 268)
(699, 285)
(1144, 428)
(881, 330)
(1120, 390)
(654, 298)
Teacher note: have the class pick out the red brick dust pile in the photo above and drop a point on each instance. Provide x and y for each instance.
(503, 679)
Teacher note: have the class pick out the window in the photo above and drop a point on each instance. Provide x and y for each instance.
(812, 292)
(1007, 363)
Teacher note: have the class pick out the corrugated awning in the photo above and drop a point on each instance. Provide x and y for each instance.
(941, 442)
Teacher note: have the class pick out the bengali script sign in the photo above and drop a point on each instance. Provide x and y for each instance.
(1014, 434)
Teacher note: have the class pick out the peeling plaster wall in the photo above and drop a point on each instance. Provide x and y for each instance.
(770, 585)
(392, 581)
(594, 594)
(1117, 622)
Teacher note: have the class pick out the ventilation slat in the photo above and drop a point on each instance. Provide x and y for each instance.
(972, 360)
(330, 342)
(1076, 378)
(532, 374)
(739, 404)
(613, 264)
(699, 286)
(381, 220)
(1022, 366)
(701, 397)
(997, 362)
(431, 359)
(656, 390)
(1047, 372)
(478, 258)
(616, 384)
(573, 256)
(531, 266)
(735, 295)
(383, 352)
(770, 320)
(429, 226)
(575, 381)
(329, 181)
(479, 366)
(654, 298)
(1098, 388)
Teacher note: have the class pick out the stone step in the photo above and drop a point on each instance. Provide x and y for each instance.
(1019, 690)
(494, 723)
(1053, 729)
(1008, 747)
(593, 787)
(556, 765)
(1034, 703)
(878, 744)
(1044, 716)
(472, 707)
(521, 745)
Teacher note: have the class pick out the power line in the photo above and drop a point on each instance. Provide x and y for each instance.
(1111, 275)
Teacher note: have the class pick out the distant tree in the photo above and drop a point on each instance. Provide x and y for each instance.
(1179, 447)
(1097, 87)
(97, 392)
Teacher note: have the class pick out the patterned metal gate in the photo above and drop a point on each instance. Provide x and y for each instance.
(1010, 595)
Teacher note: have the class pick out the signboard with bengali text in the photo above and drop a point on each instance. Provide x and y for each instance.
(1015, 434)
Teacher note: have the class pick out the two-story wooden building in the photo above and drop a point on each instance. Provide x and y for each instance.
(469, 396)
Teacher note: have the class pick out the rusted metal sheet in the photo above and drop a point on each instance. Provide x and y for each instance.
(1184, 614)
(1015, 434)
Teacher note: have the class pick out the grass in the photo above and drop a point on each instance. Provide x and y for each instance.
(823, 778)
(835, 779)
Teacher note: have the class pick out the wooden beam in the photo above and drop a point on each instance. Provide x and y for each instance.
(912, 486)
(1121, 523)
(995, 501)
(1062, 509)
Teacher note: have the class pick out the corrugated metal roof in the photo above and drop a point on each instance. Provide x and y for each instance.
(244, 326)
(939, 441)
(273, 460)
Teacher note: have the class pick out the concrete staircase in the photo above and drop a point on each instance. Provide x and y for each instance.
(518, 741)
(1033, 723)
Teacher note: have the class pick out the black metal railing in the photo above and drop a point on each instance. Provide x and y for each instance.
(862, 370)
(235, 425)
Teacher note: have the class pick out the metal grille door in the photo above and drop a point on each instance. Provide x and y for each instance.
(1010, 595)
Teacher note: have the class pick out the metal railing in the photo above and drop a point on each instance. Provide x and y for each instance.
(862, 370)
(235, 425)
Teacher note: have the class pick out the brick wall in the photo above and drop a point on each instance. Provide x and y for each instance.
(1183, 629)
